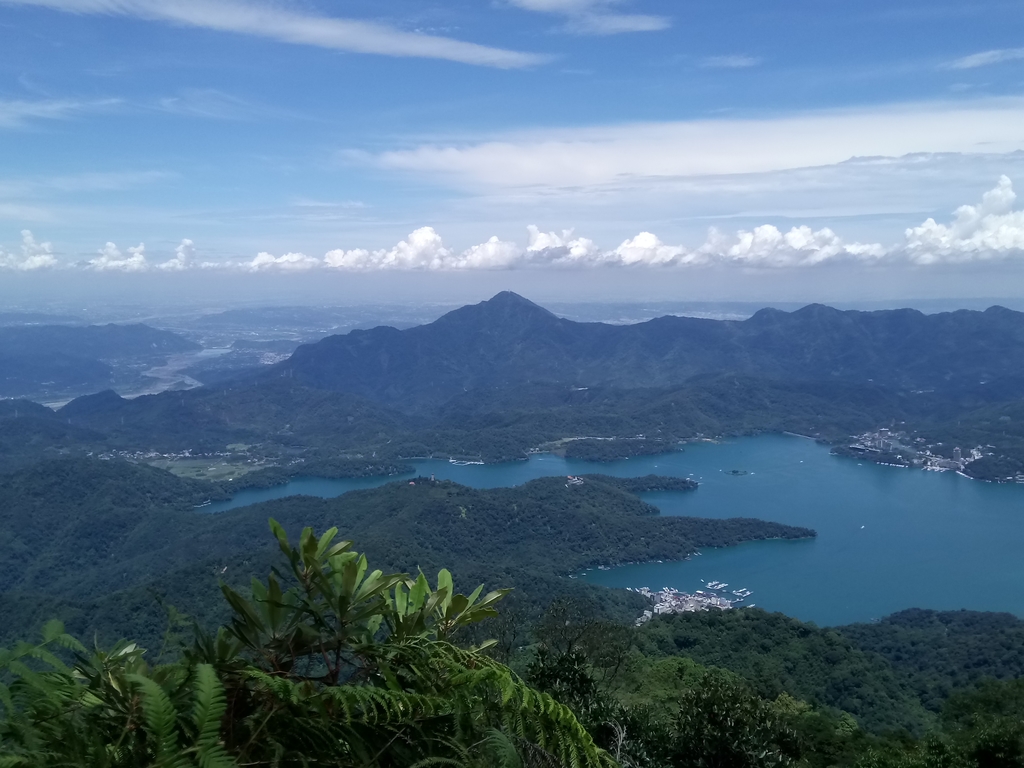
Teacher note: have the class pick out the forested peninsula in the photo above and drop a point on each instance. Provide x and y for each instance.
(90, 540)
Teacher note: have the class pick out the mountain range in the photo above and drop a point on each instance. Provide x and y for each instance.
(508, 342)
(497, 379)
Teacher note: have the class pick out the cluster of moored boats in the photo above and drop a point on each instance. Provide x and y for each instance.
(743, 593)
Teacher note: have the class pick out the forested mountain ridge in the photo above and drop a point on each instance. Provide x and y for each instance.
(498, 379)
(73, 358)
(940, 651)
(283, 416)
(508, 340)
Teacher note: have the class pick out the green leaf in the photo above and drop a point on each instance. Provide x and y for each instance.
(444, 581)
(325, 539)
(210, 706)
(52, 629)
(161, 721)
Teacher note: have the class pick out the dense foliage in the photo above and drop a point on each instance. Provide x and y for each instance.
(330, 663)
(90, 540)
(778, 655)
(942, 651)
(614, 448)
(653, 709)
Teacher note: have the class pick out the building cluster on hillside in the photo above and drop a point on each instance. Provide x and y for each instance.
(186, 455)
(669, 600)
(886, 446)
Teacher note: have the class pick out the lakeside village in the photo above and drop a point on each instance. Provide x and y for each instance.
(670, 600)
(897, 449)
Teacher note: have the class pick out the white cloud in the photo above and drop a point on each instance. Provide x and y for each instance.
(111, 259)
(595, 17)
(34, 255)
(422, 249)
(268, 20)
(552, 248)
(985, 58)
(647, 249)
(289, 262)
(729, 62)
(609, 156)
(764, 247)
(494, 254)
(768, 247)
(184, 258)
(989, 231)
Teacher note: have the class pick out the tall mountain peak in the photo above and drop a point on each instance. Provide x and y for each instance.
(506, 308)
(508, 301)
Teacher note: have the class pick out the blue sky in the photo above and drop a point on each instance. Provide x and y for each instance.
(729, 149)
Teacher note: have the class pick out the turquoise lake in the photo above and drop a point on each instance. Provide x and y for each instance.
(888, 538)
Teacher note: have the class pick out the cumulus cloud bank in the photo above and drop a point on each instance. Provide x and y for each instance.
(989, 231)
(110, 259)
(184, 258)
(31, 257)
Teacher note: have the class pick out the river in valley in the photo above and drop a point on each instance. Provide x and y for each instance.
(888, 538)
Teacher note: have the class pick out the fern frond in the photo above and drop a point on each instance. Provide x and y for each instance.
(210, 706)
(161, 722)
(500, 751)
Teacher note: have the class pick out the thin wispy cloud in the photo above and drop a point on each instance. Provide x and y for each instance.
(612, 155)
(596, 17)
(25, 199)
(103, 181)
(729, 62)
(987, 58)
(212, 104)
(279, 23)
(17, 114)
(21, 213)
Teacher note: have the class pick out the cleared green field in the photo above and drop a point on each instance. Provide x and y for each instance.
(205, 469)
